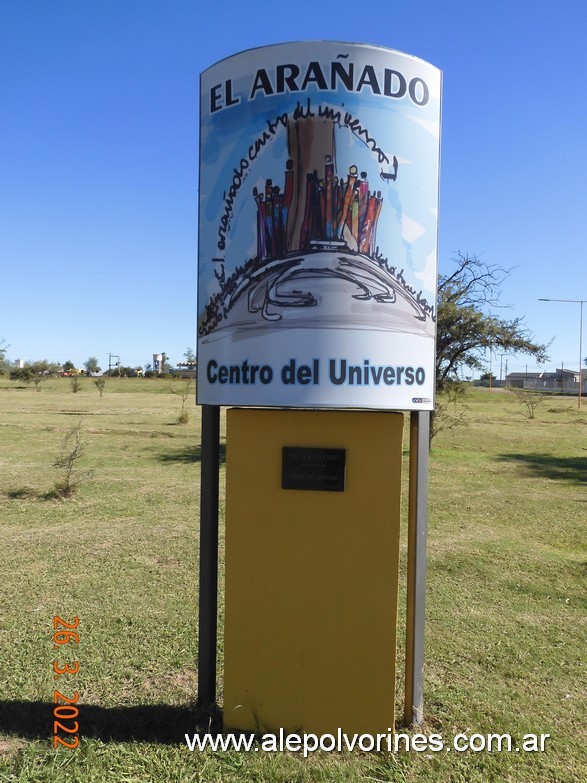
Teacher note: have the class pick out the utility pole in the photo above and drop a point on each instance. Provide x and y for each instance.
(110, 357)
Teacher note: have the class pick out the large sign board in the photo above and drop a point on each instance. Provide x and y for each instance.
(318, 228)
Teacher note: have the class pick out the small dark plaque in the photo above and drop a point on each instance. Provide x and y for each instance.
(311, 468)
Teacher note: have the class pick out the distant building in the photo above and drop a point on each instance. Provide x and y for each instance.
(561, 380)
(519, 379)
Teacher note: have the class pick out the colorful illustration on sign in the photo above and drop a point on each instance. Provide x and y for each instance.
(316, 225)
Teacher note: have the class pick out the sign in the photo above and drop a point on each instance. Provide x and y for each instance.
(318, 228)
(313, 468)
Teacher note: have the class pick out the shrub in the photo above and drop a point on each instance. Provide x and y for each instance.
(66, 462)
(529, 400)
(100, 383)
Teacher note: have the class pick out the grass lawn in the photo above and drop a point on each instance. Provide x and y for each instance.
(506, 633)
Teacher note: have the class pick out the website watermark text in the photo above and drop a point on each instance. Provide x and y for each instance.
(463, 742)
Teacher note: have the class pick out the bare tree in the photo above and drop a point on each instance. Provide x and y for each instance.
(66, 462)
(465, 325)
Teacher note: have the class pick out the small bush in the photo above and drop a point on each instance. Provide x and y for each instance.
(67, 463)
(100, 383)
(529, 400)
(182, 390)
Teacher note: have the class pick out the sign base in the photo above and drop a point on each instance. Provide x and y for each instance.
(311, 574)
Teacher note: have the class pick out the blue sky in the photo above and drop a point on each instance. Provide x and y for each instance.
(99, 157)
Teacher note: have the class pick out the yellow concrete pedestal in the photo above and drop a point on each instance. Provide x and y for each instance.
(311, 576)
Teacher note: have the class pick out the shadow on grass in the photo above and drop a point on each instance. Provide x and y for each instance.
(23, 493)
(27, 493)
(573, 469)
(190, 454)
(158, 723)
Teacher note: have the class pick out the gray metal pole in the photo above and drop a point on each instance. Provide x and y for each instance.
(208, 606)
(416, 588)
(580, 348)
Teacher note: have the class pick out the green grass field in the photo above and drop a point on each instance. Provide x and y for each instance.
(506, 633)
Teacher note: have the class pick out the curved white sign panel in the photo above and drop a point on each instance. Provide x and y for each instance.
(318, 228)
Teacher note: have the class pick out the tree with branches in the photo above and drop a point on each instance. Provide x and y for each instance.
(190, 356)
(466, 326)
(91, 365)
(34, 372)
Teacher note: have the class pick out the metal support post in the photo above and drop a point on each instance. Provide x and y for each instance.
(416, 588)
(208, 605)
